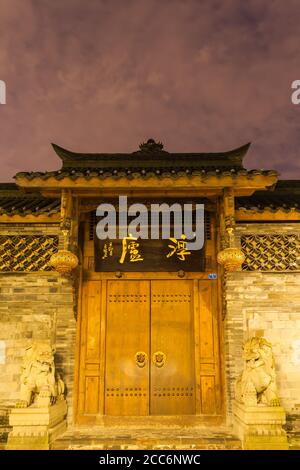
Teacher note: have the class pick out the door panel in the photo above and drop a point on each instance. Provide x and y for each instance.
(173, 368)
(127, 374)
(90, 402)
(210, 387)
(122, 317)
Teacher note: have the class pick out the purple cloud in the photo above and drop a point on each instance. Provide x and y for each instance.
(102, 76)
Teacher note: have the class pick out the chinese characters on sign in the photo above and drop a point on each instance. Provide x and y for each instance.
(130, 247)
(108, 250)
(132, 254)
(178, 248)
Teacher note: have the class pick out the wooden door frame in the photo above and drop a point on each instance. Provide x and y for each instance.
(98, 277)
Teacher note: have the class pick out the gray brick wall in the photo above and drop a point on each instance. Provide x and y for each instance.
(266, 304)
(35, 306)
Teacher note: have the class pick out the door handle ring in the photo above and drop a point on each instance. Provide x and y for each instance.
(141, 359)
(159, 359)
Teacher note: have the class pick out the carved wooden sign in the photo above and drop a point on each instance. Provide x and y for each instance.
(136, 255)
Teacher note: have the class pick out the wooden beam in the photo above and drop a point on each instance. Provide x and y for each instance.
(112, 192)
(242, 183)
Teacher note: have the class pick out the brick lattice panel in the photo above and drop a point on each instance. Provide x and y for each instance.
(271, 252)
(27, 253)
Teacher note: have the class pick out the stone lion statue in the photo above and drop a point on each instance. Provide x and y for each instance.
(256, 385)
(40, 386)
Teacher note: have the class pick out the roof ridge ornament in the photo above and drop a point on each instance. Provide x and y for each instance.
(151, 146)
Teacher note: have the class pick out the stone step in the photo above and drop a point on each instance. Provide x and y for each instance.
(147, 439)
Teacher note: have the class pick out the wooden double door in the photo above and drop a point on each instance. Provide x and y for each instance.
(148, 347)
(150, 366)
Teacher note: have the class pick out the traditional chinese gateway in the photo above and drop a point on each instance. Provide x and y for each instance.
(147, 349)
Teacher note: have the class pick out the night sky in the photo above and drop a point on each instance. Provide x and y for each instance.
(103, 76)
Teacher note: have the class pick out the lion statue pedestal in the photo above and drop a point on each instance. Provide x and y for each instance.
(258, 416)
(40, 415)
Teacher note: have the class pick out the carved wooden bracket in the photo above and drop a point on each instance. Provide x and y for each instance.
(226, 231)
(229, 215)
(69, 219)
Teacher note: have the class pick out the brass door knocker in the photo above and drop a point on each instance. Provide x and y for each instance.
(141, 358)
(159, 359)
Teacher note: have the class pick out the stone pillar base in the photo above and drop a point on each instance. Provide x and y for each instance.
(36, 428)
(260, 427)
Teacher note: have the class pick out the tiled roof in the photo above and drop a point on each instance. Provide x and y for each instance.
(151, 160)
(144, 173)
(150, 156)
(13, 201)
(286, 196)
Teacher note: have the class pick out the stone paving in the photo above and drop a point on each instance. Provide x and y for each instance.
(102, 438)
